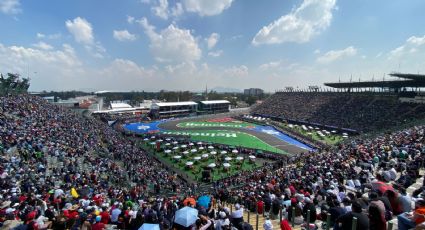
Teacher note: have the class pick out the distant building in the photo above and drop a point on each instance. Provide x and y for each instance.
(253, 92)
(214, 106)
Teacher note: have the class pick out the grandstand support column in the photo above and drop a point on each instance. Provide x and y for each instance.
(354, 223)
(390, 225)
(293, 217)
(256, 222)
(328, 221)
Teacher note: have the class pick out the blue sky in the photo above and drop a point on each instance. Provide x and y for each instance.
(186, 44)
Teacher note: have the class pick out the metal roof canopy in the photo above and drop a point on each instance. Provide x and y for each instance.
(215, 102)
(174, 103)
(412, 80)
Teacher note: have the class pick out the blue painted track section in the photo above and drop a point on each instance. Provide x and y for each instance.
(150, 127)
(276, 133)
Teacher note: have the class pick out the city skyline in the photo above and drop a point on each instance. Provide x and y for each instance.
(186, 44)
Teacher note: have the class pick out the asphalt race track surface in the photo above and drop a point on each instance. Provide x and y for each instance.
(269, 139)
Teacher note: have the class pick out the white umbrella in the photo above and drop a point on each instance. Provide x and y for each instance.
(189, 163)
(185, 152)
(226, 165)
(152, 137)
(223, 152)
(175, 148)
(175, 142)
(193, 150)
(239, 158)
(210, 147)
(184, 146)
(177, 157)
(212, 165)
(160, 140)
(199, 143)
(168, 139)
(191, 144)
(234, 151)
(153, 143)
(167, 151)
(197, 158)
(201, 148)
(228, 158)
(205, 155)
(146, 139)
(167, 144)
(213, 152)
(251, 157)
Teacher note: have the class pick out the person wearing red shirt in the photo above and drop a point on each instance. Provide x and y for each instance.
(98, 225)
(105, 216)
(260, 206)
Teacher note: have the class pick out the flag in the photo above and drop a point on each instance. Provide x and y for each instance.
(74, 193)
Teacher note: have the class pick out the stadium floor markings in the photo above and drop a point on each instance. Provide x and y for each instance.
(261, 137)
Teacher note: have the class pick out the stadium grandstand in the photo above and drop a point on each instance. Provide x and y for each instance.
(351, 107)
(64, 170)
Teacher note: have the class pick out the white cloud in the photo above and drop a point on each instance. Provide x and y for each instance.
(237, 71)
(334, 55)
(123, 35)
(418, 41)
(411, 45)
(48, 63)
(317, 51)
(81, 29)
(10, 6)
(145, 1)
(271, 65)
(118, 67)
(43, 46)
(49, 36)
(236, 37)
(217, 53)
(207, 7)
(130, 19)
(172, 44)
(177, 10)
(161, 10)
(300, 25)
(40, 35)
(212, 40)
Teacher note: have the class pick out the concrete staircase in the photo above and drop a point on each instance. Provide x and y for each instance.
(251, 218)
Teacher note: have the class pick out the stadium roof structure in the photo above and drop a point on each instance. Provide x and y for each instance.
(215, 102)
(175, 103)
(120, 105)
(405, 80)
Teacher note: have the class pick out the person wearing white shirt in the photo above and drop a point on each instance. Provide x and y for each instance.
(237, 215)
(268, 224)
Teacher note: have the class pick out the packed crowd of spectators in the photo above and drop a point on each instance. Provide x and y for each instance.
(361, 112)
(61, 170)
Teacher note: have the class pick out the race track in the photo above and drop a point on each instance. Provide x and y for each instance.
(269, 139)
